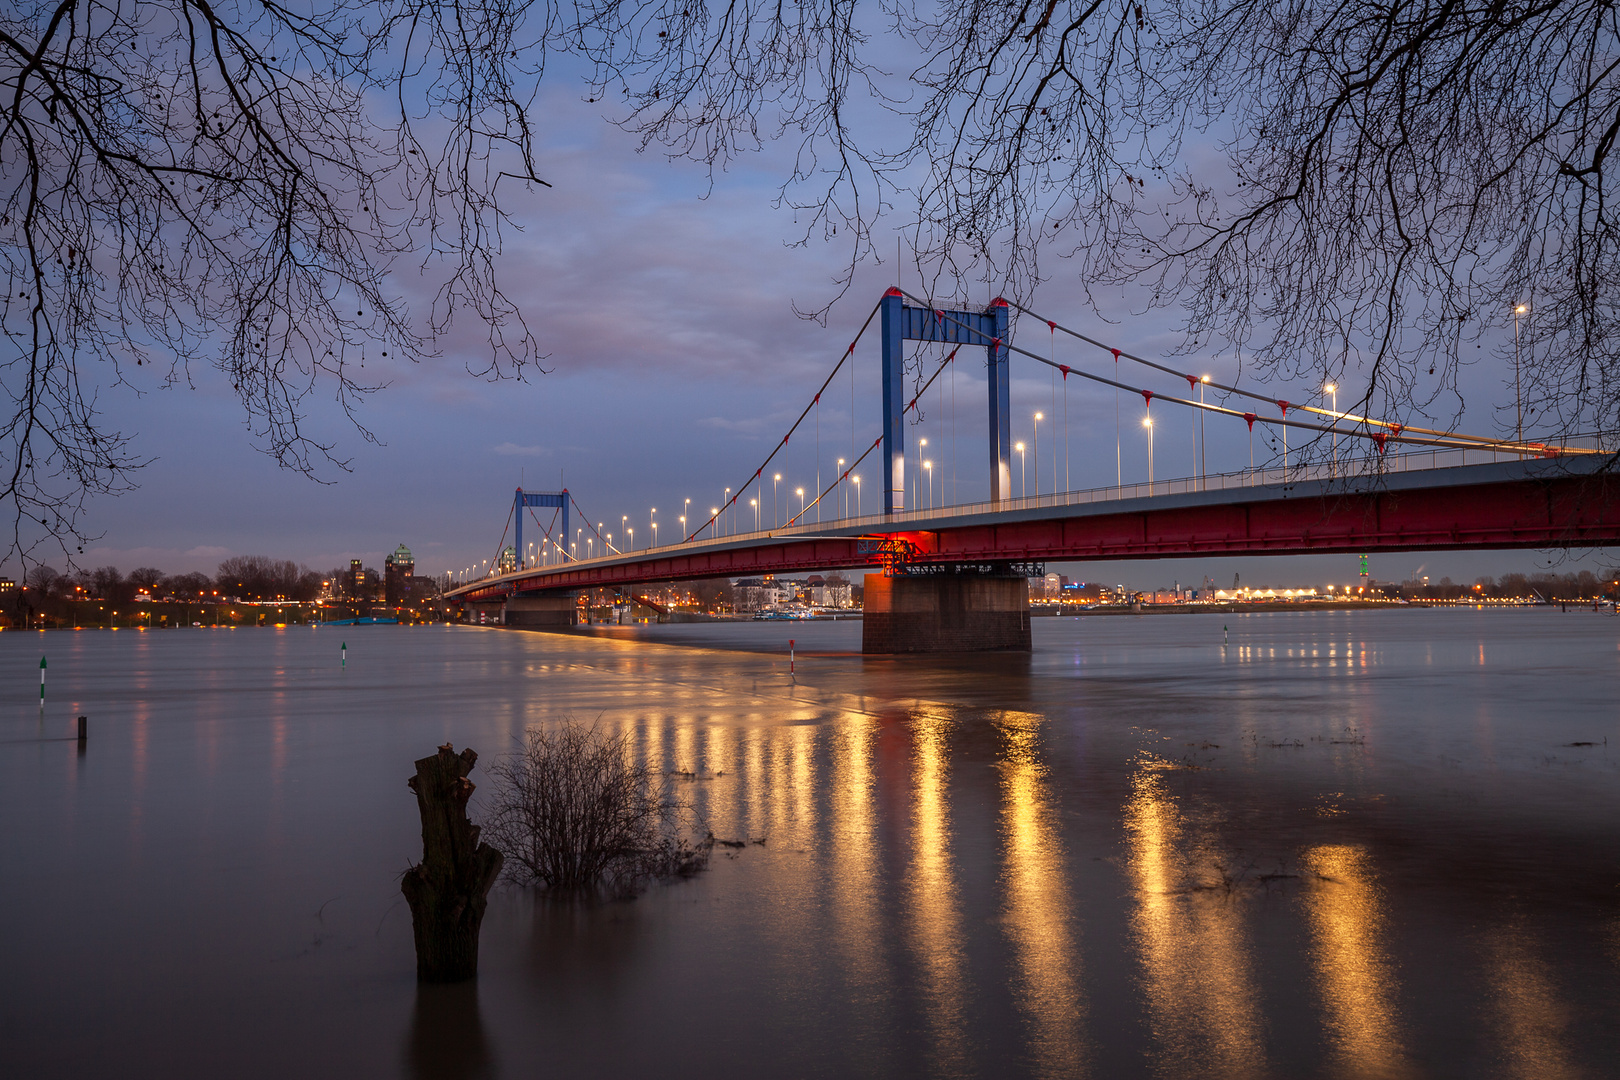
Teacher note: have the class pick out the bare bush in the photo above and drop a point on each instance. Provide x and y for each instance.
(574, 812)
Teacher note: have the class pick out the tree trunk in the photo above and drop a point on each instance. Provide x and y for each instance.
(449, 890)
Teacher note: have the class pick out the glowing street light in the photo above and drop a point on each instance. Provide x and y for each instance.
(843, 491)
(776, 516)
(800, 493)
(755, 504)
(1036, 452)
(1203, 450)
(922, 444)
(655, 526)
(857, 481)
(1518, 405)
(1023, 488)
(1332, 389)
(1147, 422)
(928, 467)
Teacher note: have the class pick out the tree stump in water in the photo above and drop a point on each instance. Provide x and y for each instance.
(449, 890)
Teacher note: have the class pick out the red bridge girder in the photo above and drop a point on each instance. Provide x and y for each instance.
(1540, 507)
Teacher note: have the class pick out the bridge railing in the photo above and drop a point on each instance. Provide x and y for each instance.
(1344, 469)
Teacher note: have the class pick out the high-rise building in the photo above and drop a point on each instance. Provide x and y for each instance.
(357, 579)
(397, 571)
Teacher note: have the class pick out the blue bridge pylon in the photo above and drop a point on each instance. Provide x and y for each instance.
(554, 499)
(901, 323)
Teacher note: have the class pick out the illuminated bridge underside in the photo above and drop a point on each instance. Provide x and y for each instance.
(1523, 504)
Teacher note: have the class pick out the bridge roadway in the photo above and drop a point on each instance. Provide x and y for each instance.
(1428, 500)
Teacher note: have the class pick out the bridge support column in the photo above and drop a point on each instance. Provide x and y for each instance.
(945, 613)
(540, 612)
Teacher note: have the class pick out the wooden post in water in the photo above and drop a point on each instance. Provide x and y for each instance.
(449, 889)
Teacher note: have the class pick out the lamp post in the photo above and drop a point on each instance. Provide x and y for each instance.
(630, 535)
(1147, 422)
(1036, 448)
(1023, 488)
(624, 527)
(1333, 392)
(776, 513)
(1203, 450)
(800, 493)
(755, 504)
(857, 481)
(843, 492)
(654, 517)
(928, 467)
(1518, 405)
(687, 509)
(725, 502)
(922, 444)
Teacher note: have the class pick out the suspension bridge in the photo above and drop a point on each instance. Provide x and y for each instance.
(954, 576)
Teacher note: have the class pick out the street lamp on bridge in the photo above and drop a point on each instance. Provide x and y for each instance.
(1147, 422)
(800, 492)
(1518, 406)
(1023, 487)
(857, 481)
(1036, 454)
(755, 504)
(776, 512)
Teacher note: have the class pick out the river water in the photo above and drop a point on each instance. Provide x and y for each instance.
(1351, 844)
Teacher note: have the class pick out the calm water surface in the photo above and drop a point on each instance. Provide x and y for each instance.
(1341, 845)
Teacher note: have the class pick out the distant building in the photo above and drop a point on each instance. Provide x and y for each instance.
(357, 579)
(397, 571)
(507, 563)
(756, 594)
(832, 592)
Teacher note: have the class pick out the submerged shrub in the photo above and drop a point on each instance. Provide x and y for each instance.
(573, 811)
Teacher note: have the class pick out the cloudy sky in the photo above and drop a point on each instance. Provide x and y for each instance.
(676, 361)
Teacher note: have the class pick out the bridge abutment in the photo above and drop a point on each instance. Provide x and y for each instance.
(945, 613)
(539, 612)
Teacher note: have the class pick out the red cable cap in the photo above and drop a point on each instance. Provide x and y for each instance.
(1283, 405)
(1116, 355)
(1065, 369)
(894, 290)
(1147, 396)
(1052, 326)
(998, 302)
(1251, 418)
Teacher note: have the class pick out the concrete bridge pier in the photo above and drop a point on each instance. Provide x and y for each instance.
(925, 613)
(540, 612)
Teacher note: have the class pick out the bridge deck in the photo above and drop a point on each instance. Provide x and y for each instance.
(1427, 500)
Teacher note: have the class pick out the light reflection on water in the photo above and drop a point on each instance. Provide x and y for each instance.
(1354, 974)
(1339, 845)
(1197, 973)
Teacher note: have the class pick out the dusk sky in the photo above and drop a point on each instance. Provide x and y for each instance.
(676, 362)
